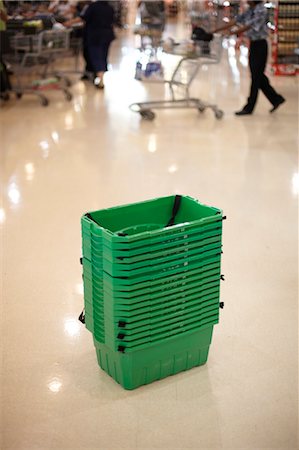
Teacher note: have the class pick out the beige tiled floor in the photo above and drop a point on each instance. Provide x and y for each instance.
(92, 153)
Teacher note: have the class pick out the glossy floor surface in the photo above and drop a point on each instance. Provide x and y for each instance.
(93, 152)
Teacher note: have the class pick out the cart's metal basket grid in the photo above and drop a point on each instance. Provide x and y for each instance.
(151, 274)
(33, 61)
(193, 55)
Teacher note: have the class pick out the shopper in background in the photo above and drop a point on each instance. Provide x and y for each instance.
(98, 18)
(5, 85)
(253, 22)
(26, 10)
(43, 13)
(63, 9)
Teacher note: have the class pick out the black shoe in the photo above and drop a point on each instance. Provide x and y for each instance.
(243, 112)
(277, 104)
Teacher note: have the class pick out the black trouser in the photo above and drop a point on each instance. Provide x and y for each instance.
(257, 62)
(88, 66)
(4, 77)
(98, 55)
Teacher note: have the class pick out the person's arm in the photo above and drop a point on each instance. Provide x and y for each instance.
(240, 30)
(73, 10)
(71, 22)
(225, 27)
(85, 14)
(53, 6)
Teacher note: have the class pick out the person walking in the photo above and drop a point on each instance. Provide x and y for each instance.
(98, 19)
(253, 22)
(99, 33)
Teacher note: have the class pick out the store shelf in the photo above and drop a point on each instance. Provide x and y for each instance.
(285, 42)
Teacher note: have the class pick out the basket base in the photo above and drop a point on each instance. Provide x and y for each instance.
(134, 369)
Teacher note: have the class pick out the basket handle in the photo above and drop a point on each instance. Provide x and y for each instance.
(175, 209)
(81, 318)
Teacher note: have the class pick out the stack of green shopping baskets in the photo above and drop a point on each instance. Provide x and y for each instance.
(152, 275)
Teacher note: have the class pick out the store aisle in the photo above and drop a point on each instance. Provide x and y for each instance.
(60, 162)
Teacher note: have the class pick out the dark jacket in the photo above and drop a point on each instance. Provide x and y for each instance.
(99, 19)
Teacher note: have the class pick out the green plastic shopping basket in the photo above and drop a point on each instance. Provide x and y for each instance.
(151, 274)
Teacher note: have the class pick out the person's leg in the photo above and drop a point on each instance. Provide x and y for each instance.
(257, 63)
(88, 63)
(5, 85)
(266, 87)
(102, 64)
(101, 68)
(274, 98)
(88, 67)
(99, 80)
(93, 52)
(258, 57)
(105, 50)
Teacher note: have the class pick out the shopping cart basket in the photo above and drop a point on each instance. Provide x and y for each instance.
(34, 56)
(193, 56)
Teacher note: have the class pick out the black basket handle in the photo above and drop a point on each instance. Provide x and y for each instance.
(175, 209)
(81, 318)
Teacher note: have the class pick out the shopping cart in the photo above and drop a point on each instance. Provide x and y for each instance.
(203, 14)
(193, 56)
(34, 56)
(150, 24)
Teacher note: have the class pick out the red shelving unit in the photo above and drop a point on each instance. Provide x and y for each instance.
(285, 60)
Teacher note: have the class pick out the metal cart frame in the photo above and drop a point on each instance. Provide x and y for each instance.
(194, 59)
(39, 51)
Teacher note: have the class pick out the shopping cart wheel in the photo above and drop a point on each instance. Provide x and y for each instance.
(19, 95)
(201, 109)
(44, 102)
(219, 114)
(147, 114)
